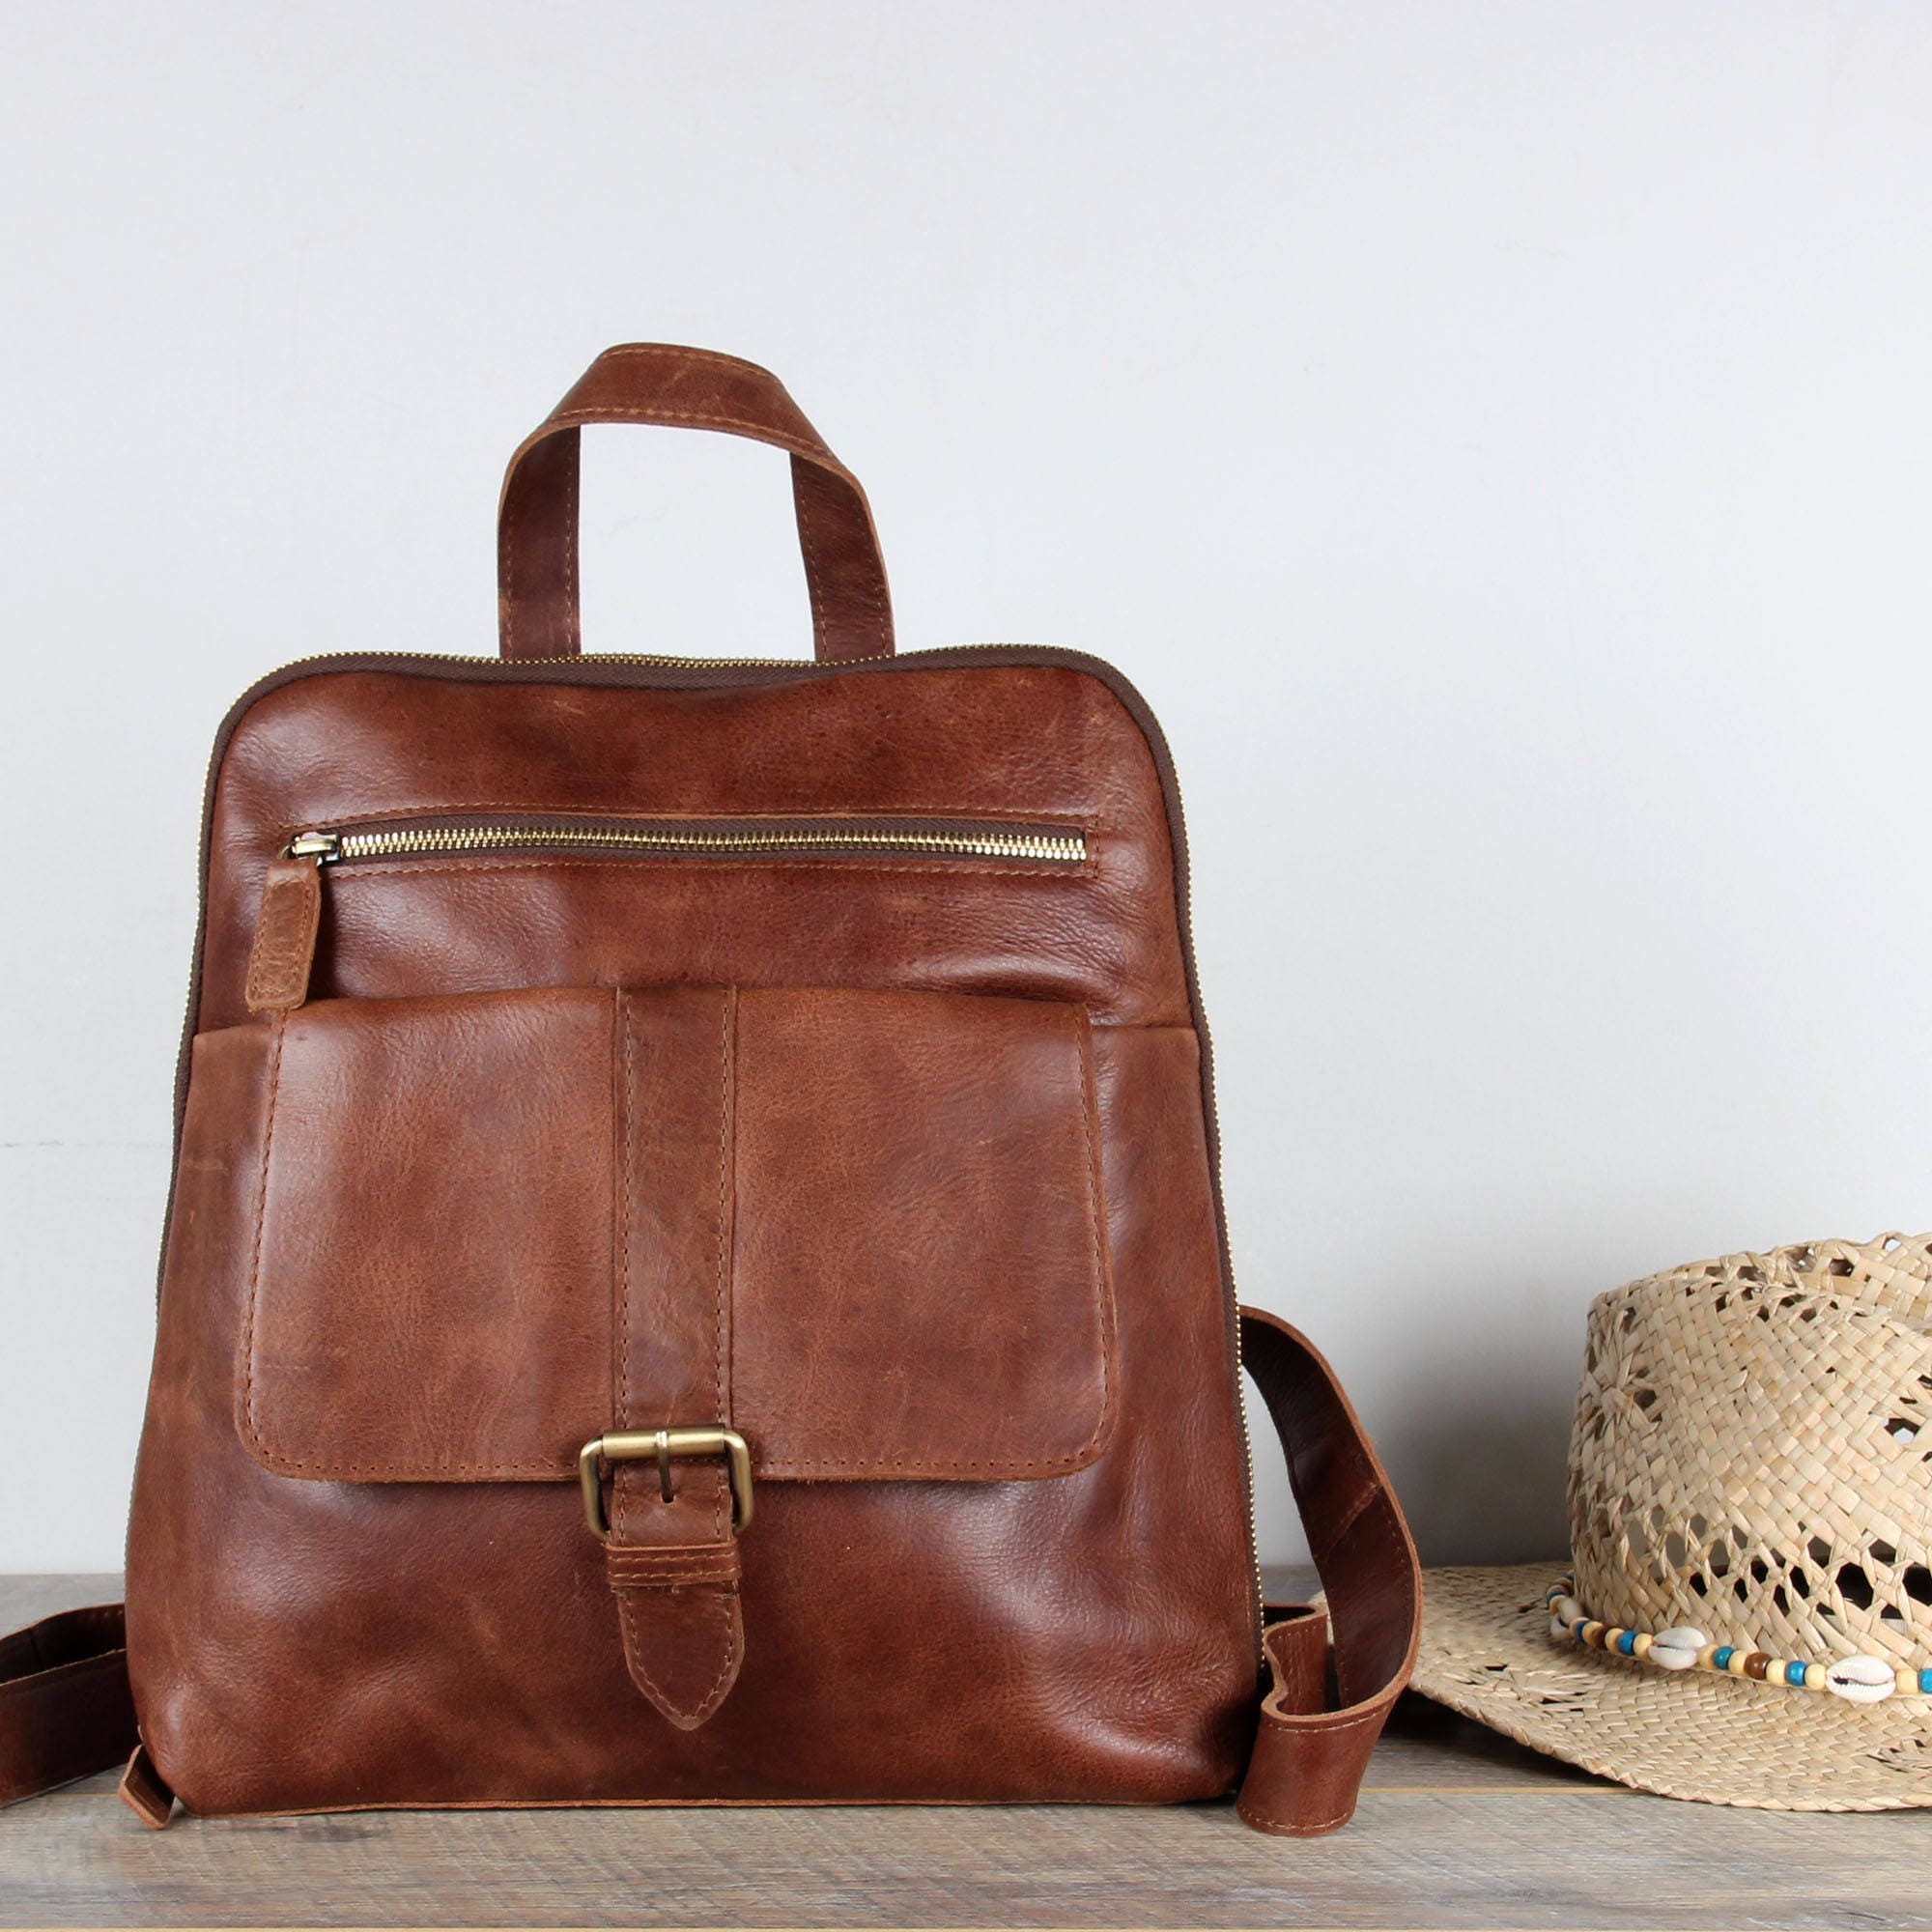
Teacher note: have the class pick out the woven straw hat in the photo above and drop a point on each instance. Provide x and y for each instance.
(1752, 1461)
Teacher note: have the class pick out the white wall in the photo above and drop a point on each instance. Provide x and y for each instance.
(1496, 438)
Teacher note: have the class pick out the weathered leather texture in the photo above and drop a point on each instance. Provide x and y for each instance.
(418, 1240)
(898, 1163)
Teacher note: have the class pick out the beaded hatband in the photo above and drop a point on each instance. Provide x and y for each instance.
(1859, 1679)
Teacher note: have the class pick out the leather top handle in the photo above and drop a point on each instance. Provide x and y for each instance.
(659, 383)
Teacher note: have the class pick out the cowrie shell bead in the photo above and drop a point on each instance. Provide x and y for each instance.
(1862, 1680)
(1569, 1610)
(1678, 1648)
(1558, 1629)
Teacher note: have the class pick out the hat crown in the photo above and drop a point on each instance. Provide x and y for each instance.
(1753, 1451)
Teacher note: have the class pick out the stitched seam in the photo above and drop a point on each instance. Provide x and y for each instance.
(946, 815)
(722, 1600)
(279, 1028)
(808, 541)
(1310, 1723)
(930, 869)
(679, 355)
(1296, 1829)
(665, 1553)
(573, 633)
(1103, 1301)
(722, 1287)
(767, 433)
(624, 1044)
(424, 1471)
(506, 558)
(671, 1556)
(625, 1576)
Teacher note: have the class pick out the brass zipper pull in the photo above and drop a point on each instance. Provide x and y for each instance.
(283, 953)
(321, 847)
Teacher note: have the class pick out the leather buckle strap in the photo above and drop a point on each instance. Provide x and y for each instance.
(666, 1445)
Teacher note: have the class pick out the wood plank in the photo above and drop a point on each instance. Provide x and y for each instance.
(1505, 1859)
(1458, 1828)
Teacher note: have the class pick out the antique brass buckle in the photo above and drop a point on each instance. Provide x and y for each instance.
(666, 1445)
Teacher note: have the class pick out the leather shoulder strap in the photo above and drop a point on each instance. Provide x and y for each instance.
(1334, 1678)
(65, 1709)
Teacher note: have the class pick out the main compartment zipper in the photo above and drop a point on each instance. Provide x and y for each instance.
(724, 838)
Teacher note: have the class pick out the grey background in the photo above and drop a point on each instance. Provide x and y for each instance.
(1495, 437)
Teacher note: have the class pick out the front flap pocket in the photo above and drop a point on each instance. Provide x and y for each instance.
(864, 1229)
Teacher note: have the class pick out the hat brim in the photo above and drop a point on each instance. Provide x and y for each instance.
(1488, 1653)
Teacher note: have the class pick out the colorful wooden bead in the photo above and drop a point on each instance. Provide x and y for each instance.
(1858, 1680)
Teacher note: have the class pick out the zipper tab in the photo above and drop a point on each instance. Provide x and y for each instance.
(283, 953)
(321, 847)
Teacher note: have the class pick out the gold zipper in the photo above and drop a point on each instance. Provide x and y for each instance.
(1039, 844)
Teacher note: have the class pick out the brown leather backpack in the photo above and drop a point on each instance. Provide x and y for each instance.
(696, 1270)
